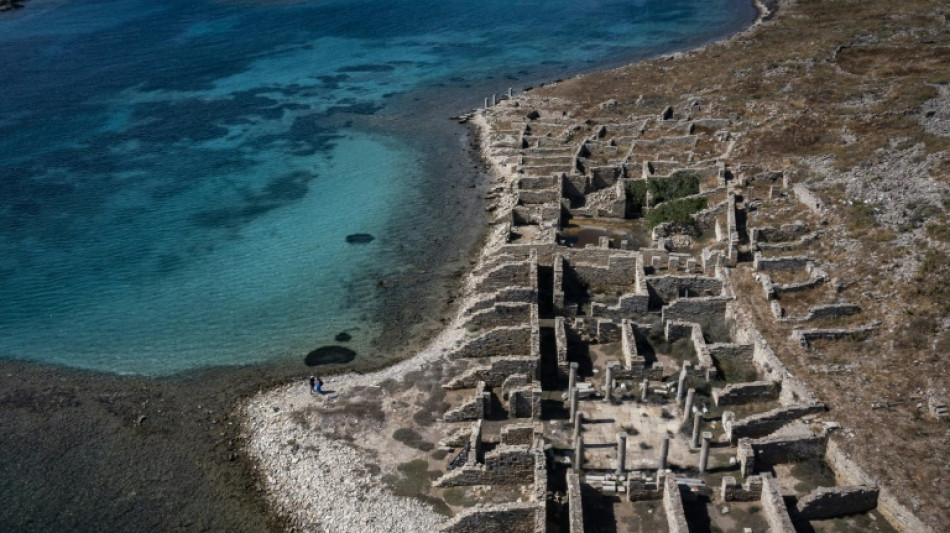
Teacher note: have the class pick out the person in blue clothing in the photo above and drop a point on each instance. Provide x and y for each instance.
(316, 385)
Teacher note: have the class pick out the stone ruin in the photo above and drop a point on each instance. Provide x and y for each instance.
(610, 379)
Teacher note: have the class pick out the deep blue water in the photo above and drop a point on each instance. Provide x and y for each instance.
(176, 180)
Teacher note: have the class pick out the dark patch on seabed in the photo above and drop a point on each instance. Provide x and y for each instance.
(367, 68)
(82, 451)
(360, 238)
(278, 192)
(329, 355)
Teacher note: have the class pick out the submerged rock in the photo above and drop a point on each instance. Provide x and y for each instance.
(343, 337)
(329, 355)
(360, 238)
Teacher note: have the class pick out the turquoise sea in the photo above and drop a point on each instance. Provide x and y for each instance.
(177, 179)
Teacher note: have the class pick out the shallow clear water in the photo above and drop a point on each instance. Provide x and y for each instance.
(177, 179)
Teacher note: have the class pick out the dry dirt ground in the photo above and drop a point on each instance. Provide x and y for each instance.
(852, 98)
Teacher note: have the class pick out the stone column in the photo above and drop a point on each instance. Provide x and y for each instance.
(493, 100)
(621, 451)
(609, 382)
(704, 452)
(577, 425)
(579, 453)
(688, 407)
(509, 93)
(697, 422)
(486, 103)
(573, 404)
(664, 452)
(681, 385)
(644, 390)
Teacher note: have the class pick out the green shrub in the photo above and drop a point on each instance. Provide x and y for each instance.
(636, 197)
(678, 185)
(676, 211)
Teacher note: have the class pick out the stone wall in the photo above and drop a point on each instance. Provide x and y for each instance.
(746, 457)
(732, 491)
(732, 231)
(500, 315)
(509, 517)
(499, 341)
(804, 336)
(674, 330)
(801, 286)
(522, 215)
(473, 409)
(789, 449)
(762, 424)
(707, 312)
(504, 275)
(519, 402)
(513, 382)
(628, 343)
(603, 277)
(786, 232)
(629, 305)
(641, 490)
(543, 182)
(536, 395)
(558, 284)
(560, 341)
(507, 294)
(832, 311)
(669, 288)
(737, 353)
(475, 445)
(847, 472)
(789, 245)
(606, 176)
(832, 502)
(807, 197)
(608, 331)
(575, 507)
(740, 393)
(505, 465)
(791, 262)
(745, 332)
(776, 514)
(538, 196)
(638, 373)
(703, 356)
(540, 489)
(673, 506)
(495, 372)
